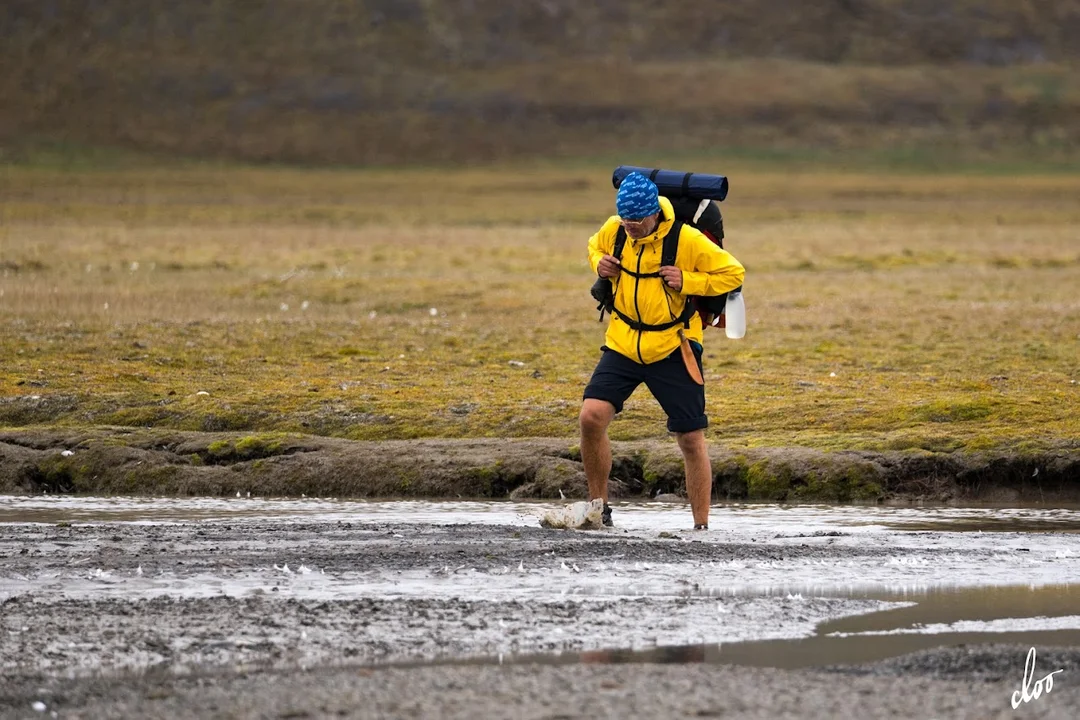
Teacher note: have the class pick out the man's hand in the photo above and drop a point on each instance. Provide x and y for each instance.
(608, 267)
(672, 276)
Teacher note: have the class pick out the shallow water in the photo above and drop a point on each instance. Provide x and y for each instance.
(1042, 616)
(649, 516)
(1028, 545)
(937, 574)
(973, 547)
(1028, 615)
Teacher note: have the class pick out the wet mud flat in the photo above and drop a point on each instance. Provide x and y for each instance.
(327, 617)
(937, 684)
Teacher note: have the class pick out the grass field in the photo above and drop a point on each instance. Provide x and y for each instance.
(886, 310)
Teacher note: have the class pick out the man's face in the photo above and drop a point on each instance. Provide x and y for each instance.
(642, 227)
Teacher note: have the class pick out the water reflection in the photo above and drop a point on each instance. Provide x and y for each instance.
(952, 605)
(875, 636)
(672, 654)
(801, 521)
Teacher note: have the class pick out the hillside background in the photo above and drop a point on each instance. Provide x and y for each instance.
(423, 81)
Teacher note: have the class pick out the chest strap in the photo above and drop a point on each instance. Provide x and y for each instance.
(667, 257)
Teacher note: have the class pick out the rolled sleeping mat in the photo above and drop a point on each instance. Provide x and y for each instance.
(672, 183)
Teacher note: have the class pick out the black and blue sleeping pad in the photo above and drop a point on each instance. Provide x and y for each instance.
(672, 183)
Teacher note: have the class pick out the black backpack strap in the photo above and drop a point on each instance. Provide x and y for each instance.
(683, 319)
(606, 296)
(620, 243)
(667, 257)
(640, 326)
(671, 244)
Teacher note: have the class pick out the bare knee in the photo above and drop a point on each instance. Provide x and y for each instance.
(595, 416)
(692, 443)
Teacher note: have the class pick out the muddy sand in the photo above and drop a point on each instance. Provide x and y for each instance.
(308, 619)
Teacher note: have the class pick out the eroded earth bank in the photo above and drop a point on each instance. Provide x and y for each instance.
(107, 461)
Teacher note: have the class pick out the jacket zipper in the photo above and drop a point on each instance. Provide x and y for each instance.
(637, 309)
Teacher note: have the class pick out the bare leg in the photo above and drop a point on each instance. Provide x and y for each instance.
(698, 473)
(595, 417)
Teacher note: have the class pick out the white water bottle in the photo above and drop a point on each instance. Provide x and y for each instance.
(735, 315)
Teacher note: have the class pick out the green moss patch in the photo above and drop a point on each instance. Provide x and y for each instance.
(245, 448)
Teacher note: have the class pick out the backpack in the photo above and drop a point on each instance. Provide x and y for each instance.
(702, 214)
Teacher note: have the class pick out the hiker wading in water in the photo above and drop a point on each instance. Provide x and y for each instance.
(653, 336)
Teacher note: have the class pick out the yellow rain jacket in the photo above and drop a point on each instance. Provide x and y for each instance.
(706, 268)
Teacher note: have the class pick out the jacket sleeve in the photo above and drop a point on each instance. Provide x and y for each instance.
(603, 242)
(715, 270)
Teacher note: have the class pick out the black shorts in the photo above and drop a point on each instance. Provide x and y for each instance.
(616, 377)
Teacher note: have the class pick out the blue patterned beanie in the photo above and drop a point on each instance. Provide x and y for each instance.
(637, 197)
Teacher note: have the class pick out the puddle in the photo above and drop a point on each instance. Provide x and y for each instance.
(1038, 617)
(637, 516)
(815, 652)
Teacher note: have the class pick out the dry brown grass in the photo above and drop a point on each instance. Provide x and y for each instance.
(885, 311)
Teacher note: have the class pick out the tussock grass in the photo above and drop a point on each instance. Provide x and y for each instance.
(886, 311)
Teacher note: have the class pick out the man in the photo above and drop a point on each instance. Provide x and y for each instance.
(643, 339)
